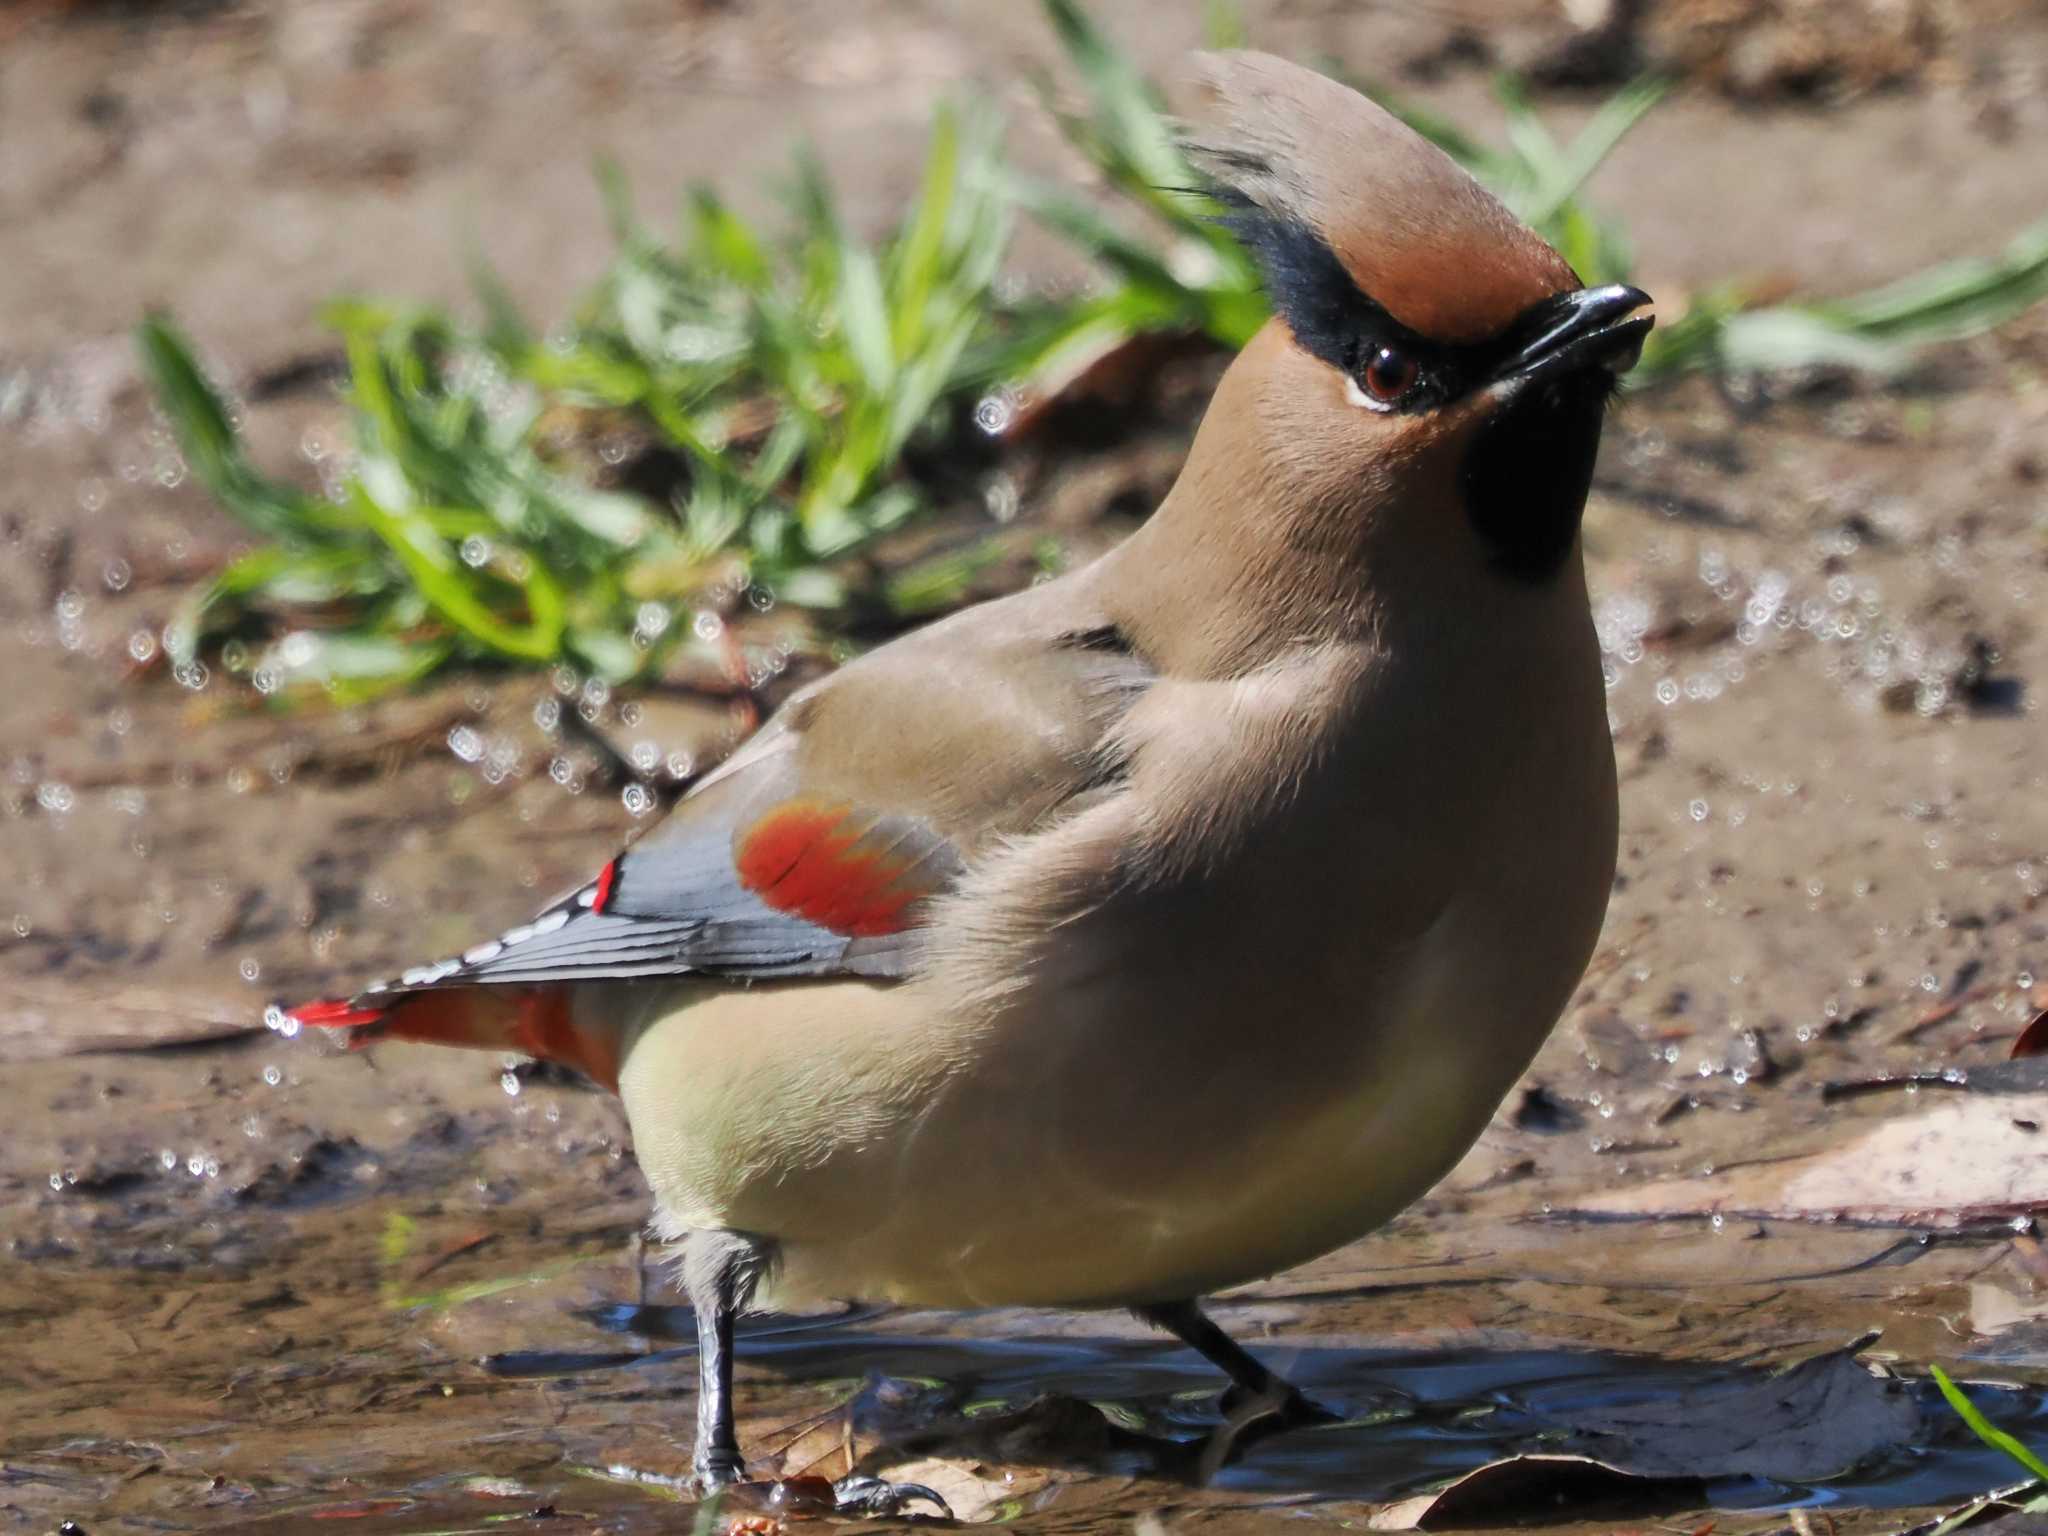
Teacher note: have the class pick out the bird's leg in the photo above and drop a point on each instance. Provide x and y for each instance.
(720, 1271)
(717, 1459)
(1265, 1391)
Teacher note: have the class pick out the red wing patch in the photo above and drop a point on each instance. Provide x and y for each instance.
(829, 865)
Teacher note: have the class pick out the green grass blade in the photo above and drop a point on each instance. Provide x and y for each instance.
(209, 441)
(1984, 1429)
(864, 317)
(1080, 222)
(454, 591)
(1791, 336)
(921, 249)
(725, 245)
(1956, 298)
(1595, 142)
(1127, 112)
(941, 582)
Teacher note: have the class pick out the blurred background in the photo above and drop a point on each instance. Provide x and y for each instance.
(435, 431)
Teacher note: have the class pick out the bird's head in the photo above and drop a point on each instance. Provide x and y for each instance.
(1435, 375)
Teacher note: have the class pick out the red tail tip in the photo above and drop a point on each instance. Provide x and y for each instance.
(338, 1013)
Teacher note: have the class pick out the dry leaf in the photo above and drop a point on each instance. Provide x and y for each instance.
(1970, 1159)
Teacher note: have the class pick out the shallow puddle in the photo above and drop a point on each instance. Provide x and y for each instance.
(290, 1394)
(1410, 1419)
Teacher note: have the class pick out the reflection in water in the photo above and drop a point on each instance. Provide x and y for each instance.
(1409, 1420)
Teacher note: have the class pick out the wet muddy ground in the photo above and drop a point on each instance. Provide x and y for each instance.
(248, 1281)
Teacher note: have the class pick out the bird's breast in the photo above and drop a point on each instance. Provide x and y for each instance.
(1133, 1081)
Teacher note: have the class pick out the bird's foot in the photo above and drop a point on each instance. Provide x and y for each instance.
(715, 1473)
(871, 1497)
(1283, 1408)
(808, 1497)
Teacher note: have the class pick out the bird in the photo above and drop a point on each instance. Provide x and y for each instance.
(1173, 922)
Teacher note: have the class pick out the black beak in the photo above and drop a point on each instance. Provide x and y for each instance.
(1588, 328)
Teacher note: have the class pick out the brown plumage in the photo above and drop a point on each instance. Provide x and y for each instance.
(1430, 245)
(1172, 922)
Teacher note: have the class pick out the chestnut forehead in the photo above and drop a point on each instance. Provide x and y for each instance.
(1447, 287)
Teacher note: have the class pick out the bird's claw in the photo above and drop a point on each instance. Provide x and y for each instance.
(716, 1474)
(870, 1497)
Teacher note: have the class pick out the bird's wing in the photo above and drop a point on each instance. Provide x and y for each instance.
(815, 850)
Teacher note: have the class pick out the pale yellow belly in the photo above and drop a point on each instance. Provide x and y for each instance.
(1078, 1162)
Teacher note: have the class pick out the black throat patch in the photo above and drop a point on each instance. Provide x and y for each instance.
(1528, 469)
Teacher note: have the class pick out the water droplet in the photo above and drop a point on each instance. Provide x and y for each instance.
(272, 1076)
(250, 968)
(509, 1081)
(466, 743)
(168, 1158)
(708, 625)
(1698, 810)
(995, 411)
(652, 619)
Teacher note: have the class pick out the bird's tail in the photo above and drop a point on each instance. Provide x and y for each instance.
(534, 1021)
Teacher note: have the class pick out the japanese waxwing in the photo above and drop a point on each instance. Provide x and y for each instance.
(1176, 921)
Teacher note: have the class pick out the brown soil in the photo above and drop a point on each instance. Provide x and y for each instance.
(248, 1279)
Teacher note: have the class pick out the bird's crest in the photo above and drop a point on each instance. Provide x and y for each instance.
(1339, 198)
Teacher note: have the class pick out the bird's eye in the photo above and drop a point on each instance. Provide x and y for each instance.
(1390, 375)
